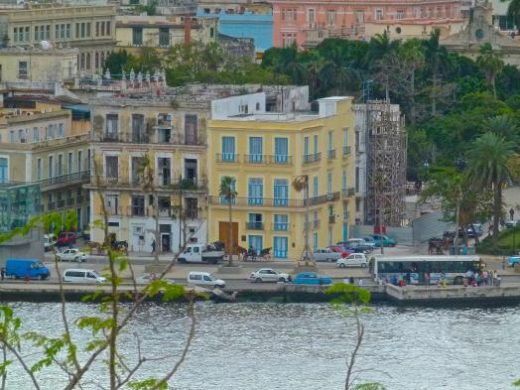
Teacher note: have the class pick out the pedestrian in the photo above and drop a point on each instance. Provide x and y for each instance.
(351, 280)
(485, 277)
(497, 279)
(2, 273)
(153, 247)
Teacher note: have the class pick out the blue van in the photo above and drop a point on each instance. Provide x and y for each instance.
(26, 268)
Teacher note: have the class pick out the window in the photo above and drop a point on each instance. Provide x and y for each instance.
(306, 148)
(255, 242)
(138, 130)
(255, 149)
(281, 222)
(329, 183)
(138, 205)
(108, 28)
(315, 186)
(360, 16)
(315, 241)
(280, 245)
(51, 162)
(400, 14)
(97, 29)
(112, 204)
(315, 145)
(47, 32)
(164, 36)
(88, 29)
(255, 222)
(61, 132)
(88, 159)
(11, 137)
(80, 157)
(23, 71)
(137, 35)
(255, 192)
(67, 31)
(164, 170)
(192, 208)
(344, 180)
(331, 18)
(39, 169)
(4, 170)
(357, 179)
(103, 29)
(281, 192)
(345, 141)
(77, 30)
(190, 129)
(112, 168)
(379, 14)
(111, 126)
(311, 17)
(36, 33)
(281, 150)
(60, 165)
(82, 30)
(69, 163)
(330, 140)
(228, 149)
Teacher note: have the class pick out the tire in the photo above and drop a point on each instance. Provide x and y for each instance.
(282, 280)
(77, 259)
(342, 265)
(42, 277)
(182, 260)
(258, 280)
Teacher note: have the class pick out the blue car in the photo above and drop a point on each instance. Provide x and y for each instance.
(312, 278)
(513, 260)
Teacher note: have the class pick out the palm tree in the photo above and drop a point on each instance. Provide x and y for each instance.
(381, 54)
(504, 126)
(491, 63)
(412, 55)
(438, 56)
(301, 183)
(228, 193)
(489, 160)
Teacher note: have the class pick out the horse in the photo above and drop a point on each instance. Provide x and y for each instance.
(265, 254)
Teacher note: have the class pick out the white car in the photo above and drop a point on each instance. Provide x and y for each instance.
(268, 275)
(49, 241)
(150, 277)
(353, 260)
(205, 279)
(72, 254)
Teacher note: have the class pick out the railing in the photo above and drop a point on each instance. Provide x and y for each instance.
(311, 158)
(51, 206)
(61, 203)
(254, 225)
(274, 202)
(280, 227)
(346, 150)
(192, 213)
(255, 158)
(229, 158)
(136, 211)
(281, 254)
(348, 192)
(174, 138)
(70, 201)
(72, 178)
(332, 219)
(332, 154)
(193, 184)
(268, 159)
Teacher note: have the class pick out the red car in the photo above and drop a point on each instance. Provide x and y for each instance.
(340, 249)
(66, 239)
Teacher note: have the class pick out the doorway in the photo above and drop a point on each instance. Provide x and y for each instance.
(223, 234)
(165, 242)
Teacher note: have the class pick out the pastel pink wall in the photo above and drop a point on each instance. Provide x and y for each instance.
(293, 19)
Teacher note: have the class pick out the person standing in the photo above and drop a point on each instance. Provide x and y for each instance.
(2, 273)
(153, 247)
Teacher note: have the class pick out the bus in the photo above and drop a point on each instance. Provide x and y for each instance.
(412, 269)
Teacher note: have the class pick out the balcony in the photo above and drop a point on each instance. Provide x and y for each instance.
(254, 225)
(346, 150)
(311, 158)
(155, 137)
(71, 179)
(331, 154)
(274, 202)
(332, 219)
(228, 158)
(348, 192)
(262, 159)
(137, 211)
(255, 158)
(70, 201)
(280, 227)
(192, 213)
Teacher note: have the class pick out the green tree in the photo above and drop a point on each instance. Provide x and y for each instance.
(119, 61)
(491, 63)
(228, 193)
(504, 126)
(513, 12)
(490, 160)
(382, 55)
(412, 56)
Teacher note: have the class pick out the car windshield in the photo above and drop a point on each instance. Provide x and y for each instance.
(38, 264)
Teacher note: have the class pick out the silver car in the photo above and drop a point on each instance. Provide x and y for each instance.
(326, 254)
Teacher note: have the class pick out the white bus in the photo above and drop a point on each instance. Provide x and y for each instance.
(413, 269)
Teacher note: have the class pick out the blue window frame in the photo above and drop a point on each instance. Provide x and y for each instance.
(4, 170)
(315, 145)
(281, 222)
(280, 246)
(315, 187)
(329, 183)
(281, 150)
(281, 192)
(228, 149)
(255, 192)
(255, 149)
(305, 149)
(314, 241)
(255, 242)
(223, 199)
(345, 231)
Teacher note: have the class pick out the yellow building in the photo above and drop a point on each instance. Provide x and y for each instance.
(38, 65)
(124, 131)
(162, 32)
(39, 145)
(264, 152)
(91, 29)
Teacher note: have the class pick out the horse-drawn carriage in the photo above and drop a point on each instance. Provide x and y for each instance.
(252, 254)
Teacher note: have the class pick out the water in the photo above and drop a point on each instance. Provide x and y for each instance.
(303, 346)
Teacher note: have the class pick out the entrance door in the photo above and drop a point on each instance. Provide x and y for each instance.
(223, 234)
(165, 242)
(255, 242)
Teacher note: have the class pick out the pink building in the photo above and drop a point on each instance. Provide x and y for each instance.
(309, 22)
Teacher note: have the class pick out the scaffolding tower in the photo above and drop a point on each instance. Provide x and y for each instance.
(386, 141)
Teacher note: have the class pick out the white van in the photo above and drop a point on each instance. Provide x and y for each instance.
(82, 276)
(205, 279)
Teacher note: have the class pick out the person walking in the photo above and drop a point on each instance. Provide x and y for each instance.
(153, 247)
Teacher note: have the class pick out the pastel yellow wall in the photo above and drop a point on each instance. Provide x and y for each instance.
(295, 131)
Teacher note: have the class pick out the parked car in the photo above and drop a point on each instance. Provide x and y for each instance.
(381, 239)
(49, 240)
(201, 253)
(80, 275)
(150, 277)
(340, 249)
(360, 244)
(354, 260)
(72, 254)
(26, 268)
(350, 248)
(326, 254)
(474, 230)
(66, 239)
(370, 241)
(205, 279)
(312, 278)
(513, 260)
(268, 275)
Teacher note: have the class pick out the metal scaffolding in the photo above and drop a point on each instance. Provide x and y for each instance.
(386, 164)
